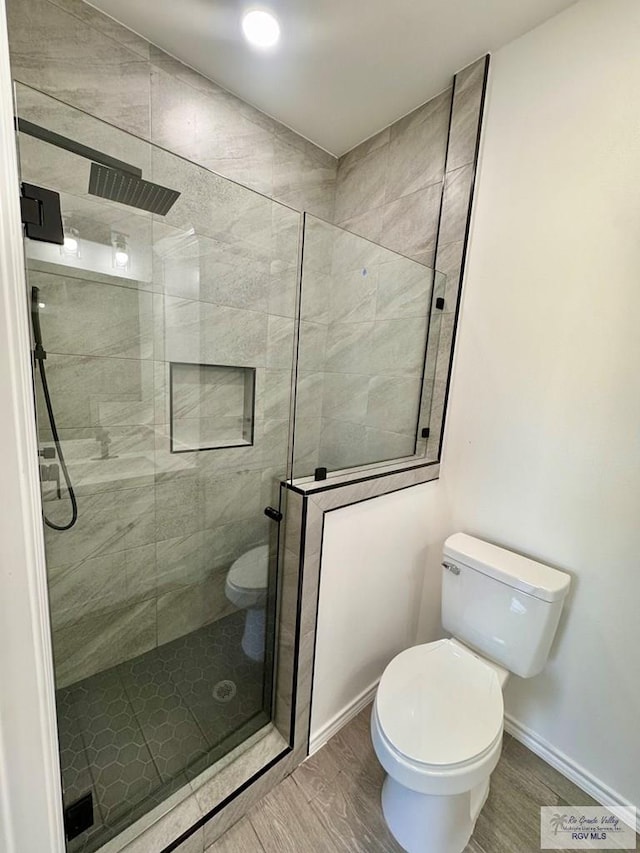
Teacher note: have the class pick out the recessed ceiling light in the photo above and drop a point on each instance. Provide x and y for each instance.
(261, 28)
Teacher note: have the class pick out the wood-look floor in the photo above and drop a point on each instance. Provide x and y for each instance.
(332, 803)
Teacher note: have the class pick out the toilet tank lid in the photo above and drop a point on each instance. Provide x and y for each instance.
(513, 569)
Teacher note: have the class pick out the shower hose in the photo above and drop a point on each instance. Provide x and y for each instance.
(40, 355)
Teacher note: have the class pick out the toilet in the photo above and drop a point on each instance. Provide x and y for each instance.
(246, 587)
(437, 719)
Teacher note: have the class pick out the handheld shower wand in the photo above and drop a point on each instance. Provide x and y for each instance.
(40, 355)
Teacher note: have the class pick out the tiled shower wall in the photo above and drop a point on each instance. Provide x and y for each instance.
(147, 563)
(408, 189)
(387, 189)
(75, 53)
(362, 344)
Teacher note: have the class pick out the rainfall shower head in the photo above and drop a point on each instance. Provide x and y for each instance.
(127, 188)
(110, 178)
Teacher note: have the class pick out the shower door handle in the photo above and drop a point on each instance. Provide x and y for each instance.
(273, 514)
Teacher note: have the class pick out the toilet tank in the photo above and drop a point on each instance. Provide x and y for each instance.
(501, 604)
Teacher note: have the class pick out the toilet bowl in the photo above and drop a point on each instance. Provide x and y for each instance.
(436, 728)
(437, 719)
(246, 587)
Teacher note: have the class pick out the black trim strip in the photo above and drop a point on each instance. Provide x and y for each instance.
(74, 147)
(254, 378)
(315, 631)
(296, 648)
(223, 803)
(464, 250)
(377, 476)
(430, 329)
(324, 513)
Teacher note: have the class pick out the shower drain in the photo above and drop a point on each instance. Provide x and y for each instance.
(224, 691)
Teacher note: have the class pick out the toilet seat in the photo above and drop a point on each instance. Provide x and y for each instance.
(438, 704)
(438, 718)
(247, 579)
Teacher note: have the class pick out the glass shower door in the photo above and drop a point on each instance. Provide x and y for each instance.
(164, 332)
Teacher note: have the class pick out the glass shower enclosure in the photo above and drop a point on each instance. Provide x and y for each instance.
(181, 324)
(163, 352)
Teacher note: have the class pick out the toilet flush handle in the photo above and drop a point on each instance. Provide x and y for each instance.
(273, 514)
(451, 567)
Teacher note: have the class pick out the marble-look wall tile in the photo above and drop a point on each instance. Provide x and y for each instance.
(306, 446)
(350, 348)
(352, 298)
(102, 583)
(455, 204)
(181, 561)
(465, 116)
(315, 301)
(106, 25)
(418, 148)
(234, 775)
(204, 333)
(399, 345)
(231, 498)
(368, 224)
(304, 176)
(443, 363)
(277, 393)
(378, 140)
(342, 444)
(129, 463)
(280, 340)
(90, 391)
(90, 585)
(312, 350)
(449, 263)
(404, 289)
(289, 584)
(90, 60)
(345, 396)
(282, 289)
(60, 54)
(203, 127)
(410, 223)
(179, 508)
(100, 641)
(382, 445)
(107, 522)
(361, 184)
(309, 402)
(81, 317)
(225, 543)
(184, 610)
(392, 403)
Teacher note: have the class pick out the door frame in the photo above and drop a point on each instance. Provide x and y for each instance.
(30, 787)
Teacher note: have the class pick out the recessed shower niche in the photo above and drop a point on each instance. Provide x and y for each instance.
(211, 406)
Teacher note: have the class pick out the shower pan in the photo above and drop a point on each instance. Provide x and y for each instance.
(162, 375)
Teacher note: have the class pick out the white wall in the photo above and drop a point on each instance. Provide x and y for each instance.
(30, 792)
(543, 443)
(379, 558)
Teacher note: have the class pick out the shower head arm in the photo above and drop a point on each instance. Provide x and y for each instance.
(74, 147)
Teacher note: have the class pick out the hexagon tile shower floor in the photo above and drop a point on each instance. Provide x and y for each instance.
(137, 732)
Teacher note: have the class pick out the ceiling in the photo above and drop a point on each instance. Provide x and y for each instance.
(343, 69)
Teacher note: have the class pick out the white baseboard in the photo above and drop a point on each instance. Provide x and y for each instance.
(573, 771)
(319, 738)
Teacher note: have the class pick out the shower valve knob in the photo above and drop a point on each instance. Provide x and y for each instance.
(273, 514)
